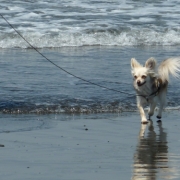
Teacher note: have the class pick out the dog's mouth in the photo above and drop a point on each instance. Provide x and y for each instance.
(140, 84)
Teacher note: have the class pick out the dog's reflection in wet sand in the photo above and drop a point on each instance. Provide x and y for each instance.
(151, 155)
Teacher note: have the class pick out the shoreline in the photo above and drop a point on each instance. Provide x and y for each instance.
(96, 146)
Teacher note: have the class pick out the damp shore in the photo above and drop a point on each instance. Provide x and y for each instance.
(94, 146)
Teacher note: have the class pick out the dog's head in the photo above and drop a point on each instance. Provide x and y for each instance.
(141, 73)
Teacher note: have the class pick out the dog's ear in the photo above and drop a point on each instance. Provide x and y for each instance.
(150, 63)
(134, 63)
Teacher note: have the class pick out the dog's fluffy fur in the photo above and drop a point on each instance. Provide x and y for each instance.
(150, 83)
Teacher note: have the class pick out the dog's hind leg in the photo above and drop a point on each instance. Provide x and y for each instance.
(162, 103)
(151, 109)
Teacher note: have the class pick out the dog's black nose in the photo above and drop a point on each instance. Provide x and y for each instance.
(138, 82)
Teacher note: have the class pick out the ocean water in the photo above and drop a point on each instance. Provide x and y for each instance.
(94, 40)
(59, 23)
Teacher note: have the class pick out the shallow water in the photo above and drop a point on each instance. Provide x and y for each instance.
(30, 84)
(94, 40)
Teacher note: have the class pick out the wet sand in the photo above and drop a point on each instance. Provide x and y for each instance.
(86, 147)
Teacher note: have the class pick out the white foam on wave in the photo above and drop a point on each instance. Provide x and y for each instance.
(56, 38)
(27, 16)
(88, 22)
(169, 108)
(15, 8)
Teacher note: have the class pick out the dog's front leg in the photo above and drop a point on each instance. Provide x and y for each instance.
(142, 114)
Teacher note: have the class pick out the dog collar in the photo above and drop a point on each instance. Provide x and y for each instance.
(155, 93)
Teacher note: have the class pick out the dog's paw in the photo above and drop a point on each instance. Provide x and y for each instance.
(144, 121)
(159, 117)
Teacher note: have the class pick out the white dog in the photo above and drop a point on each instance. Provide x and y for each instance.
(151, 83)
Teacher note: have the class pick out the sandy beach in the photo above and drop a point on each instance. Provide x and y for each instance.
(86, 147)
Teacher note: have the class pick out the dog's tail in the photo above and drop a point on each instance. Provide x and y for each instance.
(167, 67)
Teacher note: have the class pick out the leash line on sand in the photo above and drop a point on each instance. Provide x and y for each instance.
(80, 78)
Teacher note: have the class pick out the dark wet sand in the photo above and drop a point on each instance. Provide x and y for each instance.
(89, 147)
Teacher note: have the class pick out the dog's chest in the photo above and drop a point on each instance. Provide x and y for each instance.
(148, 88)
(145, 90)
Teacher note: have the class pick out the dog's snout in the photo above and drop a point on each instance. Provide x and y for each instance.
(138, 82)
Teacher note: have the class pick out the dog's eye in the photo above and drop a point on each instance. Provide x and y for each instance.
(143, 77)
(135, 77)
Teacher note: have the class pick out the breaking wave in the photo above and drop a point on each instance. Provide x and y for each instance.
(133, 37)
